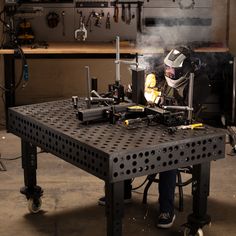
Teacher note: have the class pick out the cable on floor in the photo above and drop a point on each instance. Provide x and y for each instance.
(2, 165)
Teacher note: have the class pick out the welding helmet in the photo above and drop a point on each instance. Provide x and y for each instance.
(178, 66)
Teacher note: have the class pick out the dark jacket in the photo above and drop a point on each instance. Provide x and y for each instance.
(201, 91)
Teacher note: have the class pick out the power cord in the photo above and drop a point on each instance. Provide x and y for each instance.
(2, 165)
(18, 51)
(141, 185)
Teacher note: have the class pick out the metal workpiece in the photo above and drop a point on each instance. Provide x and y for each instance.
(112, 152)
(138, 84)
(233, 120)
(190, 96)
(101, 112)
(88, 86)
(181, 108)
(117, 59)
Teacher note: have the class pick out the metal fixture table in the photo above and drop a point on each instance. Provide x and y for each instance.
(114, 154)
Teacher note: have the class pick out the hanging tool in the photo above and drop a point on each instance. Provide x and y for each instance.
(116, 11)
(63, 23)
(129, 17)
(186, 4)
(25, 34)
(108, 21)
(81, 33)
(52, 19)
(123, 13)
(89, 21)
(140, 8)
(98, 17)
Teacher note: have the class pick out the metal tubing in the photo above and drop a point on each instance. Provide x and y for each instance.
(200, 189)
(95, 93)
(114, 207)
(88, 87)
(182, 108)
(126, 62)
(190, 97)
(234, 93)
(100, 112)
(29, 163)
(100, 99)
(118, 59)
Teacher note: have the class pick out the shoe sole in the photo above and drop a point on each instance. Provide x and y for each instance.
(166, 226)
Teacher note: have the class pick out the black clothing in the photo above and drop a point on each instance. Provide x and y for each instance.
(175, 96)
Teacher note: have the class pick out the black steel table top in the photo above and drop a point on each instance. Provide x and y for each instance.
(112, 152)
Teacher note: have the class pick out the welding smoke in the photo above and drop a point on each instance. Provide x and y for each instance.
(167, 26)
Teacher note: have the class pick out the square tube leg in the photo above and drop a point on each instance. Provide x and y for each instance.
(114, 207)
(200, 192)
(29, 164)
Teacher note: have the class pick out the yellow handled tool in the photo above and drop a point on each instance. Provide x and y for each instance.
(192, 126)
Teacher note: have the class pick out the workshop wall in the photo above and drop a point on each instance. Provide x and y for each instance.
(232, 32)
(62, 79)
(219, 21)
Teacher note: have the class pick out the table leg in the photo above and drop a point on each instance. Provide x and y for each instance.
(114, 207)
(32, 192)
(200, 192)
(9, 80)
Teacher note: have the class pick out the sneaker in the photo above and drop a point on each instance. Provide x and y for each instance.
(165, 220)
(102, 201)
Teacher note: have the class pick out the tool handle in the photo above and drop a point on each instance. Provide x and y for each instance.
(116, 12)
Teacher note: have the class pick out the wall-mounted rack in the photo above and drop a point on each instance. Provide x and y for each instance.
(92, 4)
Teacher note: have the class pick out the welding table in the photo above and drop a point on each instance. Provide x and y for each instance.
(114, 153)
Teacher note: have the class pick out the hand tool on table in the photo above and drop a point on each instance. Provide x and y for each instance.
(173, 129)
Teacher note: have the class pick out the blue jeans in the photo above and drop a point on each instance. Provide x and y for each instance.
(167, 183)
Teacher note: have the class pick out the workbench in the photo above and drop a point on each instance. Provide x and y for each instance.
(114, 153)
(75, 51)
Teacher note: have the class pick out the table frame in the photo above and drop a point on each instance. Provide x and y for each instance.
(53, 126)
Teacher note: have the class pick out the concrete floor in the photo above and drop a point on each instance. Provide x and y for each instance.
(70, 200)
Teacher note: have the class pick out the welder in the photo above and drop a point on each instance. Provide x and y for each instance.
(173, 89)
